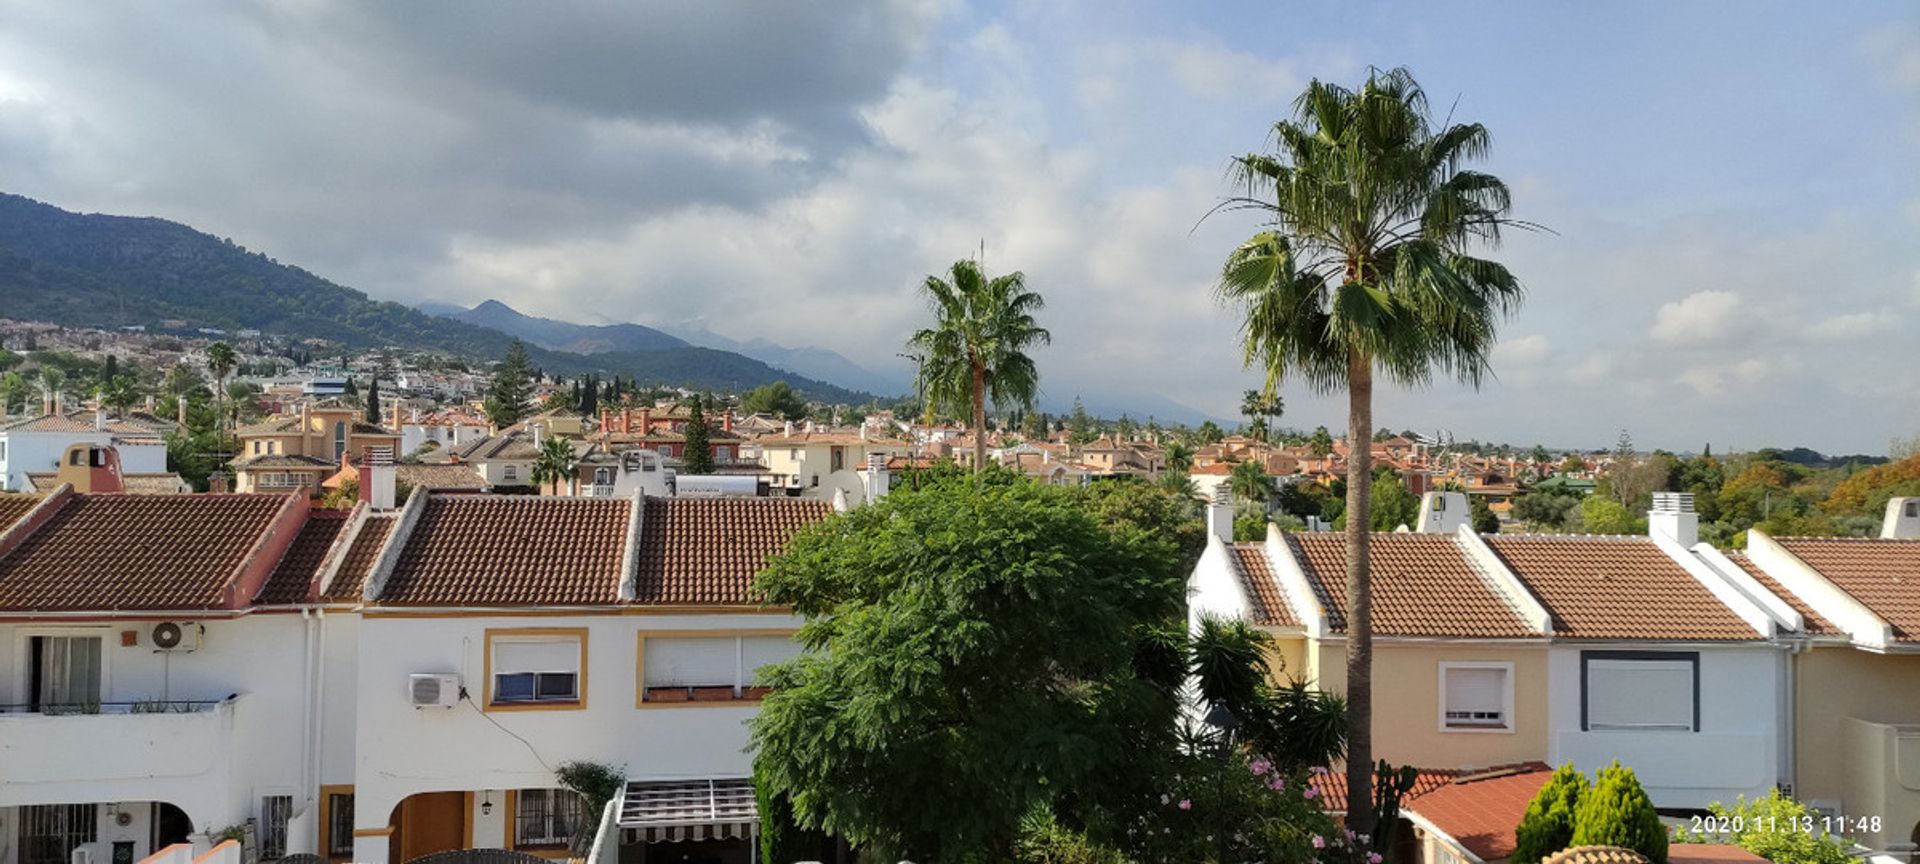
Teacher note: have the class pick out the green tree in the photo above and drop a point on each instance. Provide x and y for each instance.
(1080, 426)
(1484, 520)
(1209, 432)
(1321, 443)
(373, 401)
(120, 393)
(1617, 812)
(1602, 515)
(13, 392)
(1572, 464)
(511, 388)
(696, 456)
(1757, 829)
(1544, 509)
(1367, 269)
(1393, 504)
(985, 642)
(220, 362)
(1179, 457)
(1259, 406)
(555, 464)
(1249, 482)
(977, 347)
(1547, 826)
(777, 399)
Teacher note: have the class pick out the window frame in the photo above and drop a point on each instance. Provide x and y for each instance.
(270, 830)
(325, 846)
(1586, 658)
(519, 798)
(1508, 724)
(744, 693)
(75, 821)
(578, 635)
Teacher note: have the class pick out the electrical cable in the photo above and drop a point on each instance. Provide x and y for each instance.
(516, 736)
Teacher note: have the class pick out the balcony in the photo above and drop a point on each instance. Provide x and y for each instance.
(598, 490)
(138, 751)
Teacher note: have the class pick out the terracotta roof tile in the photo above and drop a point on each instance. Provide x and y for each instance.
(357, 561)
(696, 551)
(1617, 588)
(1480, 810)
(1884, 575)
(481, 550)
(1263, 591)
(13, 507)
(291, 580)
(1332, 786)
(107, 552)
(1815, 624)
(1423, 585)
(132, 484)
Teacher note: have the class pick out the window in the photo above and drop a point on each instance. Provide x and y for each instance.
(699, 667)
(65, 672)
(50, 832)
(339, 439)
(536, 668)
(547, 817)
(337, 823)
(1640, 691)
(510, 473)
(275, 810)
(1476, 697)
(603, 476)
(838, 458)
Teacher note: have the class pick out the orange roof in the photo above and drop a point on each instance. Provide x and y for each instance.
(1479, 810)
(479, 550)
(1884, 575)
(1710, 853)
(350, 580)
(1617, 588)
(707, 550)
(292, 580)
(136, 552)
(1256, 578)
(1332, 786)
(1423, 585)
(1814, 624)
(13, 507)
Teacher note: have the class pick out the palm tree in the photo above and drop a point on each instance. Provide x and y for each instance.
(220, 363)
(977, 347)
(1363, 268)
(1249, 482)
(554, 464)
(1179, 457)
(1257, 406)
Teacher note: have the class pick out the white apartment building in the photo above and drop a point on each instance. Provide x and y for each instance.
(34, 445)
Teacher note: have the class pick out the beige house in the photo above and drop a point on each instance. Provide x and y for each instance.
(816, 464)
(299, 452)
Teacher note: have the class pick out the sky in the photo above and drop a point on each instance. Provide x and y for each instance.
(1732, 188)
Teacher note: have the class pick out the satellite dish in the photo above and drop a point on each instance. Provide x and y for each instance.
(166, 635)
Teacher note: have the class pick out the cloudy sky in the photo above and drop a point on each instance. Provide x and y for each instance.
(1734, 187)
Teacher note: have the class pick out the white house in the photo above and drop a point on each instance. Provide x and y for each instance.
(34, 445)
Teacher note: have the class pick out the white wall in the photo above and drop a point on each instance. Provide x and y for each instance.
(1214, 586)
(401, 750)
(40, 452)
(1735, 752)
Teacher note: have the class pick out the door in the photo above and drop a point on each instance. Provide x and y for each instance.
(66, 674)
(431, 822)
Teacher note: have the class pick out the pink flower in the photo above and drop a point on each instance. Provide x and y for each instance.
(1186, 804)
(1319, 842)
(1374, 858)
(1261, 766)
(1311, 793)
(1277, 784)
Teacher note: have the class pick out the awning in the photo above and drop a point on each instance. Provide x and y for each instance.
(680, 810)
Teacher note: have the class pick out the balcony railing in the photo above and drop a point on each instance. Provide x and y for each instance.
(145, 706)
(598, 490)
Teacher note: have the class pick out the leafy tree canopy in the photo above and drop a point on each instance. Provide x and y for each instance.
(777, 399)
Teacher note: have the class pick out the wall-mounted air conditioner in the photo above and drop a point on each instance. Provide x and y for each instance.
(178, 636)
(433, 690)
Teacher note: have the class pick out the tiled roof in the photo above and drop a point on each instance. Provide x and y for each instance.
(1263, 592)
(283, 460)
(293, 577)
(132, 484)
(106, 552)
(79, 421)
(439, 476)
(697, 551)
(798, 439)
(482, 550)
(1617, 588)
(1815, 625)
(1423, 585)
(1332, 786)
(12, 507)
(1479, 811)
(357, 561)
(1884, 575)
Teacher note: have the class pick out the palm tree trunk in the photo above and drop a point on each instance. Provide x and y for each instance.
(1359, 594)
(979, 417)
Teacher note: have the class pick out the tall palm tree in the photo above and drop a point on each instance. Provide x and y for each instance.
(220, 363)
(1249, 482)
(554, 464)
(977, 346)
(1364, 268)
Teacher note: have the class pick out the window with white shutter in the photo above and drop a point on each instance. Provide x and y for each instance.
(708, 668)
(1476, 696)
(1640, 691)
(536, 668)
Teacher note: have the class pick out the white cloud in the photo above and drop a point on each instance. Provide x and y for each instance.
(1840, 328)
(1703, 316)
(1214, 72)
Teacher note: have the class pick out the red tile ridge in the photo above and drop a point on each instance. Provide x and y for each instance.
(260, 560)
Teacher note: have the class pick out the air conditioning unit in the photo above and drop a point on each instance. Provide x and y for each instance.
(180, 636)
(433, 690)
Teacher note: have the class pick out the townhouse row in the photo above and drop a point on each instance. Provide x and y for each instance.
(1794, 664)
(381, 683)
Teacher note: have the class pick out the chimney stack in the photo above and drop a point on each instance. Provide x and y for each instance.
(646, 421)
(878, 482)
(217, 483)
(1903, 519)
(180, 411)
(1672, 517)
(1220, 514)
(726, 421)
(100, 419)
(606, 421)
(377, 478)
(789, 428)
(535, 429)
(1443, 513)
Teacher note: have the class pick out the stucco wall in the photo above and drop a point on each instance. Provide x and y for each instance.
(1406, 701)
(1833, 683)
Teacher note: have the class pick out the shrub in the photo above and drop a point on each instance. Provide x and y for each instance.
(1548, 825)
(1617, 812)
(1770, 827)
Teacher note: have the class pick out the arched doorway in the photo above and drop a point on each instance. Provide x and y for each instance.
(427, 823)
(170, 825)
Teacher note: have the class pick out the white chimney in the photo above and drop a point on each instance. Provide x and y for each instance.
(1443, 513)
(1903, 519)
(100, 419)
(877, 480)
(536, 433)
(1220, 514)
(789, 428)
(377, 478)
(1672, 517)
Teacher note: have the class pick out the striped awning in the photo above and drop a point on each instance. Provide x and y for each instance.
(680, 810)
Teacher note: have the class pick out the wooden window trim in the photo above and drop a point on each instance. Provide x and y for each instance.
(326, 819)
(579, 634)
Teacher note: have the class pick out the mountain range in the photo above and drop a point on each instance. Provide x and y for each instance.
(94, 270)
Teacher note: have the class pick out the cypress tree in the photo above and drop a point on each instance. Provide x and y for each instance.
(373, 401)
(1548, 825)
(1617, 812)
(697, 458)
